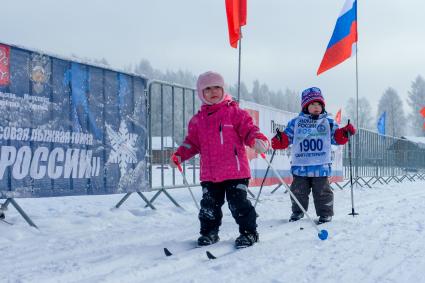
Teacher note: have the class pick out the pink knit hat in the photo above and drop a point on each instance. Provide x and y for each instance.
(209, 79)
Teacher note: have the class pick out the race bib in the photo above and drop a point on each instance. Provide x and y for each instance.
(312, 142)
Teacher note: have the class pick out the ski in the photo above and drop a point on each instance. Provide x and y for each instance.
(5, 221)
(218, 246)
(168, 253)
(234, 249)
(320, 222)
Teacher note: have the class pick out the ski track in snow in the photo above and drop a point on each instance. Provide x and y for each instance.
(81, 239)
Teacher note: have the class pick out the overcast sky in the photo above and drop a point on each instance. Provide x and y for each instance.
(283, 44)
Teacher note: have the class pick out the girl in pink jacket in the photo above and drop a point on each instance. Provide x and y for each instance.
(219, 132)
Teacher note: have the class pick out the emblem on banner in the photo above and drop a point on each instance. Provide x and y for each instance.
(39, 71)
(321, 128)
(123, 145)
(4, 64)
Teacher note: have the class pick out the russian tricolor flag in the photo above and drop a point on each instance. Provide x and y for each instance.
(344, 38)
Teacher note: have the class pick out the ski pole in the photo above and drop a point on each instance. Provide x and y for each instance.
(267, 171)
(264, 179)
(322, 234)
(179, 166)
(351, 174)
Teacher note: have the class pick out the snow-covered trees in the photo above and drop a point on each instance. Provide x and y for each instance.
(391, 103)
(416, 100)
(365, 110)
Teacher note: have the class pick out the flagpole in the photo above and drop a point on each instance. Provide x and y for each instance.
(239, 65)
(357, 91)
(356, 151)
(357, 73)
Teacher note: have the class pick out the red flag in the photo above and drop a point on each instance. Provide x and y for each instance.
(4, 64)
(236, 17)
(422, 112)
(338, 117)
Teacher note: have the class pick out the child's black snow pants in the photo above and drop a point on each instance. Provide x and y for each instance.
(322, 194)
(241, 208)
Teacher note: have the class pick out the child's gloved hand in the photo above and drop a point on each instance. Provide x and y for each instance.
(280, 141)
(261, 145)
(349, 130)
(175, 160)
(342, 135)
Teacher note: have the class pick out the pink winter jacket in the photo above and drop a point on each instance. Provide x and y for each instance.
(219, 134)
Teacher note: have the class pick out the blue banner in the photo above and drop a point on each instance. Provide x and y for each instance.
(69, 128)
(381, 124)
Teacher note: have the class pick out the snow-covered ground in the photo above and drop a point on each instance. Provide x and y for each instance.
(81, 239)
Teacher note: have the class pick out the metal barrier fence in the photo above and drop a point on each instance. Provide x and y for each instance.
(382, 158)
(375, 158)
(170, 108)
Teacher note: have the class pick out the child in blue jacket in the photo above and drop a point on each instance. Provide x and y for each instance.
(311, 135)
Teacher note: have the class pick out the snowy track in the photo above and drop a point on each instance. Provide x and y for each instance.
(82, 240)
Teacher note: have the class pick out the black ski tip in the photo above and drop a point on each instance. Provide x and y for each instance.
(210, 255)
(167, 252)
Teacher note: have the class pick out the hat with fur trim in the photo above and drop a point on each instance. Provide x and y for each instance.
(208, 79)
